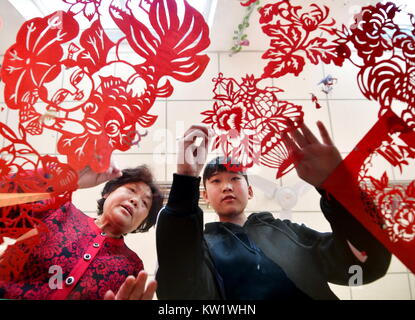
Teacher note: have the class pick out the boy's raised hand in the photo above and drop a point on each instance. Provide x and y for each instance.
(192, 155)
(314, 160)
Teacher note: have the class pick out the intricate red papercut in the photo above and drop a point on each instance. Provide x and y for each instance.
(24, 170)
(388, 57)
(249, 122)
(88, 7)
(296, 37)
(96, 110)
(63, 81)
(387, 210)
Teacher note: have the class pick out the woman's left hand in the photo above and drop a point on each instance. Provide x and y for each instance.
(134, 289)
(88, 178)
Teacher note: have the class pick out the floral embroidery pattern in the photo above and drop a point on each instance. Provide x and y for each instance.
(64, 247)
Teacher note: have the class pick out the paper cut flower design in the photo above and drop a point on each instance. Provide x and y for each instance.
(249, 122)
(34, 59)
(387, 51)
(24, 171)
(384, 207)
(396, 205)
(296, 37)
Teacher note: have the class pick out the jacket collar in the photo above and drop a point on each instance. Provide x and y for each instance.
(216, 227)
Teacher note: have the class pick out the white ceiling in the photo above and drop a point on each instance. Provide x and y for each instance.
(10, 24)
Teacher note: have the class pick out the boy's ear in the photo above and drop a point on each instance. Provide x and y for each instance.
(205, 196)
(250, 193)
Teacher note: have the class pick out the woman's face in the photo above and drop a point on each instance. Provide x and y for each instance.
(126, 207)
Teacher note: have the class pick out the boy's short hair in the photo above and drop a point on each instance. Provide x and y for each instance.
(222, 164)
(139, 174)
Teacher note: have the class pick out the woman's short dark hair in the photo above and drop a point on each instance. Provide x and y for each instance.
(222, 164)
(139, 174)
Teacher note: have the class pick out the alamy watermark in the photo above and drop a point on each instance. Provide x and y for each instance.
(55, 281)
(357, 276)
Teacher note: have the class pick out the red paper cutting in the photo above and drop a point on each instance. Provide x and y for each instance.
(296, 37)
(24, 171)
(386, 57)
(249, 122)
(387, 210)
(104, 108)
(314, 99)
(64, 82)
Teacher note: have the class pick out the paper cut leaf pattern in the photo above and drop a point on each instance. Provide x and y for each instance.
(384, 54)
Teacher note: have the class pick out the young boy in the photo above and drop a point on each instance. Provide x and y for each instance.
(257, 257)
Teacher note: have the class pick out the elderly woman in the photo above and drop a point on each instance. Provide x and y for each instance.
(85, 258)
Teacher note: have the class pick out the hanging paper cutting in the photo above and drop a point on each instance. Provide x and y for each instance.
(104, 108)
(385, 56)
(26, 177)
(249, 122)
(61, 81)
(385, 208)
(297, 36)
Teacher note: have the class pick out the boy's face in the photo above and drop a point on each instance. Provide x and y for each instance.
(228, 193)
(127, 206)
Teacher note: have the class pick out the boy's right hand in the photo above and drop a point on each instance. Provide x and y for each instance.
(191, 156)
